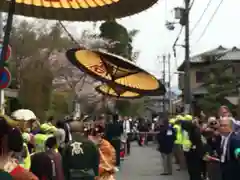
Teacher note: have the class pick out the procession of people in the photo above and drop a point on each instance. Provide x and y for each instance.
(70, 149)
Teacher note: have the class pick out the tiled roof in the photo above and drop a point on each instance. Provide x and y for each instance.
(199, 57)
(231, 55)
(227, 54)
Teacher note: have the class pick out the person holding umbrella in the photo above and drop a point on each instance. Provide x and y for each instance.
(25, 119)
(11, 141)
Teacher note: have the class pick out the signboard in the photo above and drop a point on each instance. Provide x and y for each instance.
(8, 53)
(5, 78)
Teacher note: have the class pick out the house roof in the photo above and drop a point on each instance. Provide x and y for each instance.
(234, 54)
(228, 54)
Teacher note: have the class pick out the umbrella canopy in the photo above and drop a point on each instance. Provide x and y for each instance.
(23, 115)
(78, 10)
(115, 71)
(116, 92)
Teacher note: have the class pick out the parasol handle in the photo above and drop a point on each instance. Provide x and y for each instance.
(8, 29)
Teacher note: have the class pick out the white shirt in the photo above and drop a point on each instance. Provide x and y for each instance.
(126, 126)
(224, 146)
(153, 126)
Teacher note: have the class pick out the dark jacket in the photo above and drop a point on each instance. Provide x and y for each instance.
(143, 127)
(79, 165)
(194, 136)
(230, 168)
(113, 130)
(166, 138)
(56, 157)
(214, 145)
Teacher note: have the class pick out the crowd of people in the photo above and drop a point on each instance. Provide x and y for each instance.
(207, 147)
(65, 150)
(71, 149)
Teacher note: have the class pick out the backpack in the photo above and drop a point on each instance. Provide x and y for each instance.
(43, 165)
(54, 174)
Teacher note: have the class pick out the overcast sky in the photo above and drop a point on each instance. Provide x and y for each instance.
(154, 39)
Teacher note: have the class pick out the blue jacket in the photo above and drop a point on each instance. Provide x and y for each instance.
(166, 138)
(230, 168)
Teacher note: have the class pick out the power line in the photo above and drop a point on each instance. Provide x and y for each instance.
(209, 22)
(178, 36)
(176, 40)
(200, 18)
(68, 33)
(193, 1)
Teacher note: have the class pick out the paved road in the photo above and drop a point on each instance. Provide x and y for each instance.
(144, 163)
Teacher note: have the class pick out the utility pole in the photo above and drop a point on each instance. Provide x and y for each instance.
(187, 90)
(182, 14)
(2, 99)
(164, 82)
(169, 83)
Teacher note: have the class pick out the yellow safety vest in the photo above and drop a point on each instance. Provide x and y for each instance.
(40, 142)
(178, 134)
(27, 161)
(186, 143)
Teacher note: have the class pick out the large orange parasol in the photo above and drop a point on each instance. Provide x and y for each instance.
(78, 10)
(70, 10)
(116, 71)
(116, 92)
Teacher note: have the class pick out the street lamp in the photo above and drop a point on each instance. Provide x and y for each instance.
(179, 13)
(170, 25)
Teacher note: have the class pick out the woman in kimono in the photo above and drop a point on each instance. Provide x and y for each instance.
(11, 141)
(107, 153)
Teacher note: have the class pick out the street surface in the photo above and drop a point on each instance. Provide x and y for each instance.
(144, 163)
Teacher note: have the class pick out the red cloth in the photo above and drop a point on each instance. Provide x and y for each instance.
(122, 154)
(17, 170)
(19, 173)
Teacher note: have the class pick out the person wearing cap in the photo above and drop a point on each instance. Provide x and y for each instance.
(80, 156)
(107, 164)
(48, 126)
(192, 147)
(40, 138)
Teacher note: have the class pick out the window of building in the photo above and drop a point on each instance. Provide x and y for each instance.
(199, 76)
